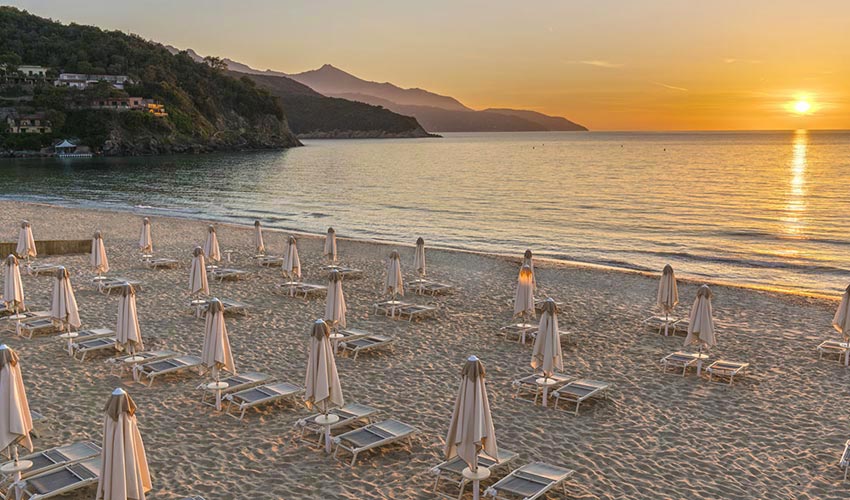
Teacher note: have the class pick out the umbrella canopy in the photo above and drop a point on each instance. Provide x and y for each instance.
(198, 274)
(701, 326)
(63, 309)
(335, 304)
(323, 389)
(15, 417)
(528, 260)
(291, 263)
(99, 262)
(211, 249)
(546, 354)
(668, 291)
(471, 431)
(259, 244)
(13, 287)
(395, 283)
(145, 241)
(26, 243)
(330, 245)
(128, 335)
(524, 299)
(841, 321)
(216, 354)
(124, 473)
(419, 257)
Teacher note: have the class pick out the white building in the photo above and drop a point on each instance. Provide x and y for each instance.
(81, 81)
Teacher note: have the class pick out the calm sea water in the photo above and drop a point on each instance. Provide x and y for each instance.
(756, 208)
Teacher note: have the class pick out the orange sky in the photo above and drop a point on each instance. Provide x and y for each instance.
(610, 65)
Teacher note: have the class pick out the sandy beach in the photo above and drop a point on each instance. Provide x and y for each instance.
(776, 433)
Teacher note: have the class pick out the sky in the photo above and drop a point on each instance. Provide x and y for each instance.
(607, 64)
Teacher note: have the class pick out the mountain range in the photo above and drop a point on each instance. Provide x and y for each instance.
(435, 112)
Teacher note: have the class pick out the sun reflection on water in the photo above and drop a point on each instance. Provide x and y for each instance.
(795, 206)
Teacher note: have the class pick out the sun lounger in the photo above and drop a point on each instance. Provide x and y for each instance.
(307, 290)
(93, 333)
(531, 481)
(829, 347)
(349, 273)
(453, 469)
(432, 288)
(235, 383)
(36, 327)
(416, 311)
(581, 390)
(120, 363)
(844, 463)
(164, 367)
(226, 273)
(161, 263)
(368, 343)
(347, 335)
(39, 269)
(726, 370)
(79, 350)
(53, 458)
(9, 322)
(390, 307)
(349, 415)
(230, 307)
(269, 393)
(108, 285)
(539, 303)
(521, 331)
(527, 386)
(269, 261)
(679, 360)
(373, 436)
(663, 324)
(63, 480)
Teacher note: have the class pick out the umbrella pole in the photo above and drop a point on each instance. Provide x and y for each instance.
(666, 322)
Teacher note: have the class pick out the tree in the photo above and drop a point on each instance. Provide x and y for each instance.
(216, 63)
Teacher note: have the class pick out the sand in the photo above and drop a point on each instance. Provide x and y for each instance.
(777, 433)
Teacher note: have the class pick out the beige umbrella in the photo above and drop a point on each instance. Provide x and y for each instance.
(15, 417)
(124, 473)
(211, 249)
(335, 304)
(291, 263)
(395, 283)
(668, 294)
(13, 288)
(323, 389)
(528, 260)
(216, 354)
(841, 320)
(546, 354)
(701, 325)
(63, 309)
(198, 284)
(99, 262)
(145, 241)
(128, 335)
(330, 246)
(471, 431)
(259, 244)
(524, 299)
(26, 243)
(419, 258)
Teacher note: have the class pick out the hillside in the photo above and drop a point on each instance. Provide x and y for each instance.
(555, 123)
(207, 110)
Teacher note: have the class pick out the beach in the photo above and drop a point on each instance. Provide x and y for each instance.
(776, 433)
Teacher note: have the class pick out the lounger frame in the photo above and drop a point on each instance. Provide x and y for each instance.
(387, 432)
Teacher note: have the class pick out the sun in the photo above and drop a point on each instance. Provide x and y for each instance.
(802, 107)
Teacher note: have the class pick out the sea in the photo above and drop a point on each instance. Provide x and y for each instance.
(762, 209)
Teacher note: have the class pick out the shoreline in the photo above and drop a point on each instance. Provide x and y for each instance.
(510, 257)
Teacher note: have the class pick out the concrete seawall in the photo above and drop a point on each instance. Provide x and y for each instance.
(51, 247)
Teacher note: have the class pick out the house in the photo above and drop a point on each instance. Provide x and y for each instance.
(32, 71)
(82, 81)
(25, 74)
(34, 123)
(119, 103)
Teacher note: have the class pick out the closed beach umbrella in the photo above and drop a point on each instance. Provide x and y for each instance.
(394, 284)
(128, 335)
(330, 246)
(13, 288)
(335, 305)
(216, 354)
(259, 244)
(211, 249)
(291, 263)
(419, 258)
(471, 431)
(841, 321)
(99, 262)
(701, 326)
(668, 293)
(124, 473)
(528, 260)
(198, 274)
(63, 308)
(145, 241)
(26, 243)
(524, 299)
(546, 355)
(15, 417)
(323, 390)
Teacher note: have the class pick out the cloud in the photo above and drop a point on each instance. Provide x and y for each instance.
(671, 87)
(598, 63)
(732, 60)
